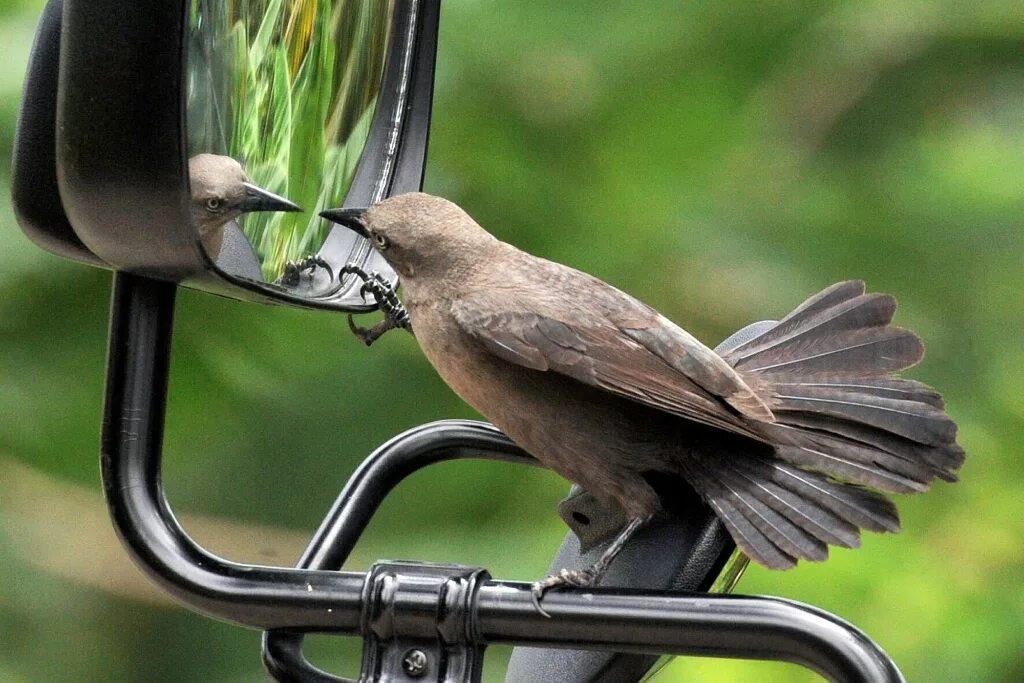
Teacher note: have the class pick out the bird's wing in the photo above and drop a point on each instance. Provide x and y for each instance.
(633, 352)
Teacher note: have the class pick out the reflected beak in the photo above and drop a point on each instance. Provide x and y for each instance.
(258, 199)
(350, 218)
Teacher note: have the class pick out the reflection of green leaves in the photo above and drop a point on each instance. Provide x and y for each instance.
(258, 49)
(306, 78)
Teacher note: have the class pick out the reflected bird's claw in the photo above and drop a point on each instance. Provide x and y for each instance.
(293, 270)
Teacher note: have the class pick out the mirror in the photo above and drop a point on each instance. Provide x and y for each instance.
(281, 95)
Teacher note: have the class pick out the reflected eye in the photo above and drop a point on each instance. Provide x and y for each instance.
(213, 204)
(381, 241)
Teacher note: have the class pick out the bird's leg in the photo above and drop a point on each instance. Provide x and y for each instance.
(395, 315)
(590, 576)
(293, 269)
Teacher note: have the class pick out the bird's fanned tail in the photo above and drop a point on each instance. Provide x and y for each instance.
(846, 429)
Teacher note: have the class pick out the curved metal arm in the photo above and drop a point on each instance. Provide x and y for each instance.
(142, 313)
(314, 600)
(723, 626)
(606, 619)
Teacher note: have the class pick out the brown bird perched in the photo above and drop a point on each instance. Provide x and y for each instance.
(791, 438)
(221, 192)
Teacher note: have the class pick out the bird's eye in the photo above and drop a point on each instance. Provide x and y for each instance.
(381, 241)
(213, 203)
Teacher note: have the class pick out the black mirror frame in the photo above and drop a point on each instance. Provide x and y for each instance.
(34, 192)
(120, 147)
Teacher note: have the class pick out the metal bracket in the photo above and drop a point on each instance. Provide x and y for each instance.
(439, 641)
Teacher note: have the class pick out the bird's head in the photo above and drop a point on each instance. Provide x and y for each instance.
(418, 234)
(221, 192)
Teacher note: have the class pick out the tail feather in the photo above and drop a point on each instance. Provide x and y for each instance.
(944, 460)
(826, 298)
(750, 537)
(864, 311)
(907, 473)
(915, 420)
(883, 387)
(820, 522)
(861, 507)
(843, 422)
(787, 536)
(849, 466)
(778, 514)
(854, 353)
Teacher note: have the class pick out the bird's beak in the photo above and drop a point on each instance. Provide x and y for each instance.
(258, 199)
(350, 218)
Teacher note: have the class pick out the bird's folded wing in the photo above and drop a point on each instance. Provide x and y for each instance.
(644, 359)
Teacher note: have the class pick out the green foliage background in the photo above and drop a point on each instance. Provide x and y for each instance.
(722, 160)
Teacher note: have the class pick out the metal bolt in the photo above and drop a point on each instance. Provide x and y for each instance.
(415, 663)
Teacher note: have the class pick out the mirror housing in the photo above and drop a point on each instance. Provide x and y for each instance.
(101, 158)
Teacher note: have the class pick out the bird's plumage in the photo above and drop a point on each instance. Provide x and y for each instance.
(790, 437)
(610, 342)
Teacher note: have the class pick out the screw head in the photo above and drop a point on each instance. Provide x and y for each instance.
(414, 662)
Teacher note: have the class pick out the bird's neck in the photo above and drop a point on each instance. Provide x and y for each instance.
(459, 276)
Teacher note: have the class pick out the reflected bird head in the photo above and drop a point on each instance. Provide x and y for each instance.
(221, 192)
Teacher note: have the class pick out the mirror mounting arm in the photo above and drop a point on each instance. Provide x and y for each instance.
(142, 314)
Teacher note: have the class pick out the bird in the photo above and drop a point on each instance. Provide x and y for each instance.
(794, 439)
(220, 193)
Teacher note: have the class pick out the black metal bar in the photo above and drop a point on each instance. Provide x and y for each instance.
(384, 469)
(695, 624)
(607, 619)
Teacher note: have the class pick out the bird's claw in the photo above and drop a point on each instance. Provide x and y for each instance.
(395, 315)
(577, 578)
(368, 335)
(293, 270)
(364, 290)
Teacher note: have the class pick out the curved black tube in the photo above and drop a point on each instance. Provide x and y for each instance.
(142, 313)
(390, 464)
(731, 626)
(607, 619)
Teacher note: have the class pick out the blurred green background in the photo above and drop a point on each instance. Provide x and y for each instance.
(720, 159)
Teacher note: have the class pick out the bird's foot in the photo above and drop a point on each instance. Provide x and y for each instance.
(585, 578)
(576, 578)
(395, 314)
(293, 270)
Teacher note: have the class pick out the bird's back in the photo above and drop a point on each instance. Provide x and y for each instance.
(602, 441)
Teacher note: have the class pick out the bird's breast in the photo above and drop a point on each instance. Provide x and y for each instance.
(455, 356)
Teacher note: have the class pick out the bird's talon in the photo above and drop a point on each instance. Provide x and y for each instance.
(387, 301)
(361, 333)
(576, 578)
(536, 594)
(364, 290)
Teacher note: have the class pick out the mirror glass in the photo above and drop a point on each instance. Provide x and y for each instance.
(281, 95)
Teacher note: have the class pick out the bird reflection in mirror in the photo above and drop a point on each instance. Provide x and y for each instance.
(221, 192)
